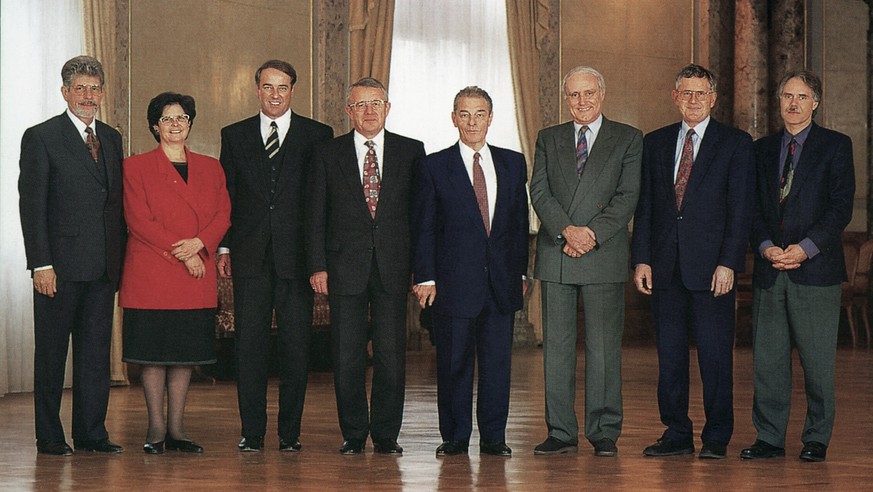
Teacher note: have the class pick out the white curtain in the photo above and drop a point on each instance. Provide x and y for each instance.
(36, 38)
(438, 49)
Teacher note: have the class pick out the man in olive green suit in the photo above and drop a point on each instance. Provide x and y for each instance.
(584, 188)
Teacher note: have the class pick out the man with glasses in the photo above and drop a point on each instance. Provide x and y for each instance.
(266, 160)
(584, 187)
(357, 227)
(471, 234)
(805, 190)
(691, 232)
(74, 234)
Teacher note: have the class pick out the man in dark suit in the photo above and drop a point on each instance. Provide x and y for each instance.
(359, 255)
(805, 190)
(584, 187)
(691, 232)
(266, 161)
(471, 236)
(71, 216)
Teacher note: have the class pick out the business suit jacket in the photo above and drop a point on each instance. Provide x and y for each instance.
(160, 209)
(71, 209)
(819, 206)
(603, 199)
(259, 219)
(341, 233)
(712, 228)
(452, 247)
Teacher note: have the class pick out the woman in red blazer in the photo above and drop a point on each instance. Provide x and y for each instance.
(177, 209)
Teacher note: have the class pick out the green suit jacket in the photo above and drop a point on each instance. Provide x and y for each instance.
(603, 198)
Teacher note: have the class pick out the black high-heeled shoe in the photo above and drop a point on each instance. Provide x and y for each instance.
(183, 445)
(153, 448)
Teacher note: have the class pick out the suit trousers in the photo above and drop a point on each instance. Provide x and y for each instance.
(255, 298)
(807, 317)
(83, 310)
(604, 327)
(349, 336)
(678, 313)
(460, 342)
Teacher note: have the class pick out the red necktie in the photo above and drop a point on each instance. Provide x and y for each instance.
(92, 142)
(481, 193)
(685, 163)
(372, 183)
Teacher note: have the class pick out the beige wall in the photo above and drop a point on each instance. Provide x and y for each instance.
(637, 45)
(843, 57)
(210, 50)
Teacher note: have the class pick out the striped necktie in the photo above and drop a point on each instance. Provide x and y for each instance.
(272, 145)
(582, 151)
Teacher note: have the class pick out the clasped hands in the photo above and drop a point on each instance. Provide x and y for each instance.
(789, 258)
(579, 240)
(187, 251)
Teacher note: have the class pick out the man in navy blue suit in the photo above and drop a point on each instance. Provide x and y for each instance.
(806, 185)
(470, 225)
(691, 232)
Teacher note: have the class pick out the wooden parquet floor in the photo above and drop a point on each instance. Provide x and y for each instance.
(212, 420)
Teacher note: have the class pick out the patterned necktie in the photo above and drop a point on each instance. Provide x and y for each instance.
(581, 151)
(481, 193)
(685, 163)
(93, 143)
(372, 182)
(787, 173)
(272, 145)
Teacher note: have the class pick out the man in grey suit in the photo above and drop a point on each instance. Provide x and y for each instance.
(584, 188)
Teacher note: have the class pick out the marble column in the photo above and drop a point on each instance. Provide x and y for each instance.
(787, 47)
(714, 50)
(330, 62)
(751, 88)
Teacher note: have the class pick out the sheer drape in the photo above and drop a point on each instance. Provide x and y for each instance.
(440, 48)
(36, 38)
(370, 32)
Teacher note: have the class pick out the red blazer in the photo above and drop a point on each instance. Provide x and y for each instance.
(160, 209)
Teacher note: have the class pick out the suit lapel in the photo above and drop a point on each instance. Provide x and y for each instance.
(77, 147)
(347, 163)
(460, 181)
(596, 163)
(771, 163)
(108, 154)
(705, 155)
(565, 142)
(174, 181)
(809, 157)
(253, 145)
(501, 205)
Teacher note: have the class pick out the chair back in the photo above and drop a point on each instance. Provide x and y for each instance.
(861, 278)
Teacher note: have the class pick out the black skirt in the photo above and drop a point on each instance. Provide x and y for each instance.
(169, 337)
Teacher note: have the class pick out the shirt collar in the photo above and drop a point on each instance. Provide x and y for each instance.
(699, 129)
(378, 139)
(593, 127)
(800, 138)
(80, 125)
(467, 152)
(283, 123)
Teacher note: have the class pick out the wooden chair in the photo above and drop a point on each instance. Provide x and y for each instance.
(847, 291)
(861, 286)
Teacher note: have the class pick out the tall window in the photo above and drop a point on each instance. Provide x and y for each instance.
(438, 49)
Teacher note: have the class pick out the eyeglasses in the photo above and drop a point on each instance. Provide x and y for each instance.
(581, 95)
(791, 97)
(375, 105)
(688, 95)
(181, 119)
(80, 89)
(477, 117)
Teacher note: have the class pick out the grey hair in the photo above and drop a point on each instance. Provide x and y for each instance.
(473, 91)
(601, 83)
(693, 71)
(366, 82)
(81, 65)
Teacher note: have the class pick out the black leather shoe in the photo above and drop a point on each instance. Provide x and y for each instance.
(669, 447)
(183, 445)
(814, 451)
(387, 446)
(99, 446)
(452, 448)
(352, 446)
(55, 448)
(553, 445)
(153, 448)
(290, 445)
(713, 450)
(760, 450)
(495, 449)
(605, 447)
(251, 444)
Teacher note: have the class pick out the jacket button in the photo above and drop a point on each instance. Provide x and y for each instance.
(678, 217)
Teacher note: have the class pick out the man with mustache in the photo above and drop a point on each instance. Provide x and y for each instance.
(806, 185)
(74, 236)
(584, 188)
(691, 232)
